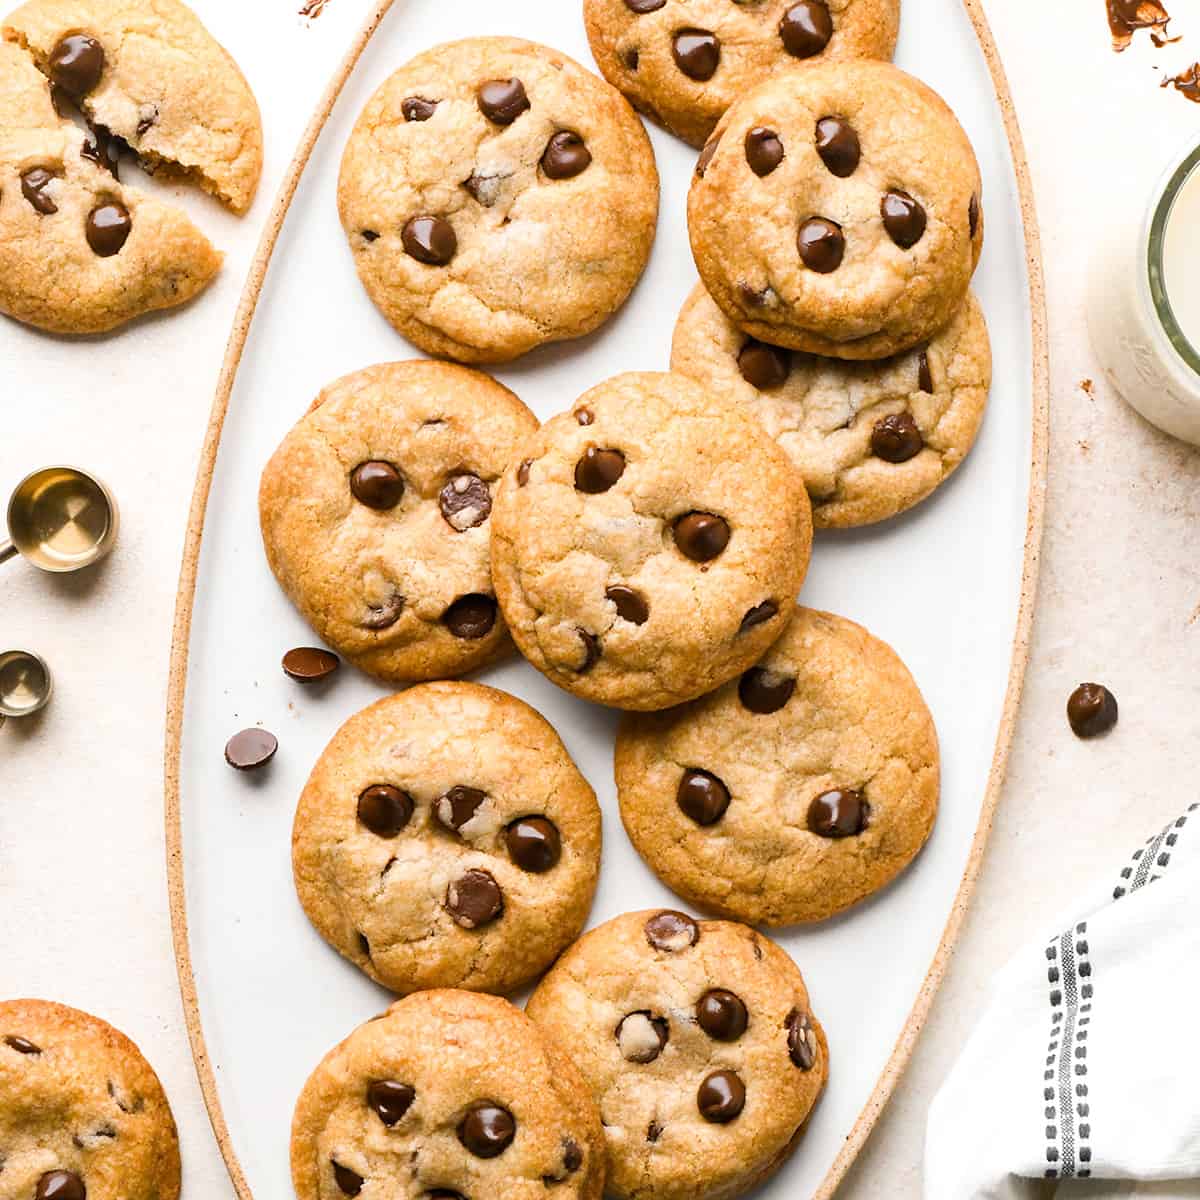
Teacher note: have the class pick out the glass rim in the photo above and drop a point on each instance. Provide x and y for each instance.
(1160, 298)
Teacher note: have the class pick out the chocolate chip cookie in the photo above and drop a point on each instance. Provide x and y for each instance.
(698, 1040)
(497, 196)
(81, 252)
(82, 1114)
(836, 209)
(447, 1096)
(796, 791)
(376, 510)
(153, 77)
(683, 62)
(446, 839)
(871, 438)
(649, 543)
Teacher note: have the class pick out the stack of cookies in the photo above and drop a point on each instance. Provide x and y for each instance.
(644, 550)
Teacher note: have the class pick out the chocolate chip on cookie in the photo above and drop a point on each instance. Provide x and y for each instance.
(108, 227)
(697, 53)
(471, 617)
(502, 101)
(76, 64)
(762, 690)
(806, 28)
(384, 810)
(377, 485)
(764, 367)
(34, 183)
(566, 155)
(702, 796)
(721, 1097)
(533, 844)
(822, 245)
(487, 1130)
(838, 146)
(701, 536)
(430, 240)
(417, 108)
(904, 219)
(671, 931)
(722, 1015)
(839, 813)
(465, 502)
(764, 150)
(896, 438)
(598, 470)
(631, 604)
(390, 1100)
(642, 1036)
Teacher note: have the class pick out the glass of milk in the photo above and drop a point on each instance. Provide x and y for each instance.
(1143, 304)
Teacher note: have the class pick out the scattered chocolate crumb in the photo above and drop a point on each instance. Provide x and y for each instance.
(1088, 388)
(313, 8)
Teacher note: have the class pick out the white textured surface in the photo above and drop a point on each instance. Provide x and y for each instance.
(81, 864)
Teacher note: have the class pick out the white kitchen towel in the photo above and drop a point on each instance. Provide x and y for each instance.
(1086, 1064)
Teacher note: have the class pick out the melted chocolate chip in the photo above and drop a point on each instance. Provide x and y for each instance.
(672, 931)
(250, 749)
(763, 691)
(722, 1015)
(474, 899)
(924, 375)
(76, 64)
(60, 1185)
(1091, 710)
(764, 367)
(523, 472)
(103, 149)
(349, 1182)
(377, 484)
(591, 651)
(310, 664)
(839, 813)
(417, 108)
(801, 1040)
(838, 146)
(598, 470)
(721, 1097)
(430, 240)
(806, 28)
(107, 227)
(502, 101)
(697, 53)
(33, 188)
(465, 502)
(973, 215)
(754, 297)
(644, 6)
(760, 614)
(706, 155)
(487, 1130)
(702, 796)
(631, 605)
(386, 614)
(533, 844)
(471, 617)
(653, 1132)
(896, 438)
(701, 536)
(822, 245)
(566, 155)
(384, 810)
(457, 806)
(641, 1037)
(22, 1045)
(764, 150)
(633, 56)
(390, 1100)
(903, 217)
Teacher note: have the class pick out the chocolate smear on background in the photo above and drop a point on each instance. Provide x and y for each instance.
(1186, 83)
(1126, 17)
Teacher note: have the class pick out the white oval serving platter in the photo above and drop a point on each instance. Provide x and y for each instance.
(950, 585)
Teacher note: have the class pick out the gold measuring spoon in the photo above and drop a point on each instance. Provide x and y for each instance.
(60, 519)
(25, 683)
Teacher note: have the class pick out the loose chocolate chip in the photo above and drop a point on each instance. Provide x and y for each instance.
(702, 796)
(973, 216)
(839, 813)
(701, 536)
(384, 809)
(251, 748)
(762, 366)
(697, 53)
(60, 1185)
(390, 1100)
(566, 155)
(585, 416)
(377, 484)
(706, 155)
(385, 615)
(763, 691)
(76, 64)
(806, 28)
(721, 1097)
(598, 470)
(350, 1182)
(533, 844)
(801, 1040)
(465, 502)
(523, 472)
(924, 375)
(471, 617)
(1091, 710)
(591, 651)
(474, 899)
(896, 438)
(33, 188)
(644, 6)
(764, 150)
(822, 245)
(903, 218)
(430, 240)
(760, 614)
(641, 1037)
(22, 1045)
(487, 1129)
(310, 664)
(671, 931)
(572, 1155)
(653, 1132)
(104, 149)
(457, 806)
(838, 146)
(417, 108)
(502, 101)
(107, 228)
(722, 1015)
(631, 605)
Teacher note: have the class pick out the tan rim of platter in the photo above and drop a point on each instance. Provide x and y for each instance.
(195, 532)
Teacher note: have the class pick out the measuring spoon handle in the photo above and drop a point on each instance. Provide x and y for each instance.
(7, 551)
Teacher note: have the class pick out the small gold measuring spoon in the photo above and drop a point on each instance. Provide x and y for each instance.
(25, 683)
(60, 519)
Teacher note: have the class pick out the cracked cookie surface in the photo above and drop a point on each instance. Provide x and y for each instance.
(698, 1040)
(79, 251)
(837, 209)
(792, 793)
(446, 839)
(683, 62)
(448, 1095)
(649, 543)
(81, 1111)
(376, 516)
(149, 72)
(870, 438)
(497, 196)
